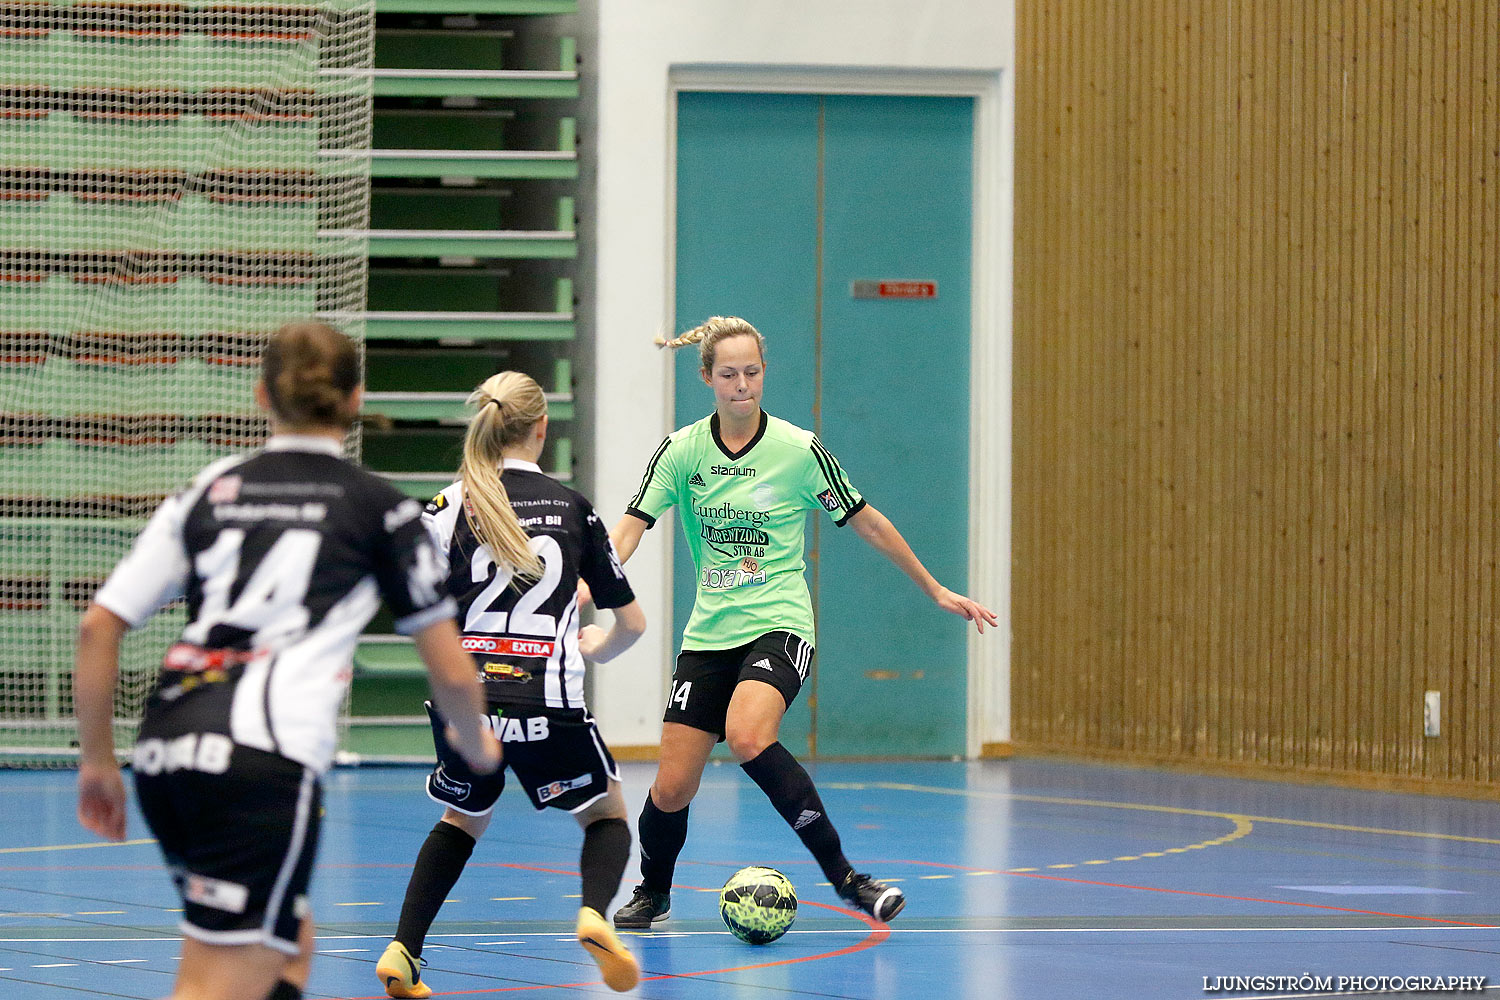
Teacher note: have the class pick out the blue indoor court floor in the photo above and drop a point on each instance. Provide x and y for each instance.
(1025, 879)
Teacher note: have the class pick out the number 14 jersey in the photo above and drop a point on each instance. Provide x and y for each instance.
(524, 634)
(283, 556)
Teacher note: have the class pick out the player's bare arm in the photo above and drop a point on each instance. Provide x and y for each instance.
(450, 671)
(878, 531)
(599, 646)
(101, 792)
(626, 537)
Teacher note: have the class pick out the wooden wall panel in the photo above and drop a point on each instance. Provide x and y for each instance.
(1256, 304)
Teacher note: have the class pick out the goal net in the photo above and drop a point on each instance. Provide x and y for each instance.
(173, 180)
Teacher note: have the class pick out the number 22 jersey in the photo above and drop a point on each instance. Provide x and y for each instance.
(524, 634)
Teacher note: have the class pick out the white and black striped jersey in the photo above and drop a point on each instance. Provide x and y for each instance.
(283, 557)
(524, 636)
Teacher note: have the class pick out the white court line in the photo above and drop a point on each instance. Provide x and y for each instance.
(121, 961)
(862, 931)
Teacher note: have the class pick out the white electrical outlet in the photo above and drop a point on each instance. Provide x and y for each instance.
(1432, 711)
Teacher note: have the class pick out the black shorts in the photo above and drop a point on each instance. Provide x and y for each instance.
(704, 680)
(558, 757)
(238, 828)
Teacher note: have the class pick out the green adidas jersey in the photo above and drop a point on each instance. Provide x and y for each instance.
(744, 514)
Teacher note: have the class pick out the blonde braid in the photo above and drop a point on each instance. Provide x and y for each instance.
(509, 406)
(709, 333)
(691, 337)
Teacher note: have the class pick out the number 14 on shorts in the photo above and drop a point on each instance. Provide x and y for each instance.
(679, 696)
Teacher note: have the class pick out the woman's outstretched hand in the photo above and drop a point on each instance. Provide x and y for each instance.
(968, 610)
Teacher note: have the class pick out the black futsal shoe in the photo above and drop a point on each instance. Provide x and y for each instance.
(644, 909)
(879, 900)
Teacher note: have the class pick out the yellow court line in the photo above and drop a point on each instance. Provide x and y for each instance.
(78, 847)
(1344, 828)
(1242, 824)
(1175, 810)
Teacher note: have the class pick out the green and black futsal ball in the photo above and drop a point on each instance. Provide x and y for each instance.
(758, 904)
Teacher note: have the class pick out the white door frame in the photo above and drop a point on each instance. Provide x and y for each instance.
(990, 337)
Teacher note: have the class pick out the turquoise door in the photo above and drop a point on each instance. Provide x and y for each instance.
(791, 209)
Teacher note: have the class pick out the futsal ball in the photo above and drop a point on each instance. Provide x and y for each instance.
(758, 904)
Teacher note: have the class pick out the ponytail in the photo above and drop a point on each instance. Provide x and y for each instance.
(509, 406)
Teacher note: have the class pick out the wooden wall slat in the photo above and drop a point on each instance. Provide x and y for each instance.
(1255, 446)
(1325, 92)
(1341, 272)
(1481, 125)
(1307, 55)
(1376, 322)
(1446, 261)
(1466, 608)
(1386, 131)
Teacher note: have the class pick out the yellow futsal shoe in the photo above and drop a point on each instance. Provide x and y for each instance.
(615, 961)
(400, 974)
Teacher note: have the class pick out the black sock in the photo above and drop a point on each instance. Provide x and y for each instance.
(790, 789)
(284, 990)
(606, 850)
(662, 836)
(439, 864)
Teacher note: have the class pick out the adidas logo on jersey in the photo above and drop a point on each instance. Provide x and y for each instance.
(763, 663)
(696, 480)
(808, 815)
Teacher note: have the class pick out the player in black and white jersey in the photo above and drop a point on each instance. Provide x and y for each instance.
(282, 556)
(514, 544)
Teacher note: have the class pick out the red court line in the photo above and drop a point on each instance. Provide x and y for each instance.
(1208, 895)
(878, 933)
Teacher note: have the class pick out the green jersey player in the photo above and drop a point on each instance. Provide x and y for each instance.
(742, 482)
(743, 512)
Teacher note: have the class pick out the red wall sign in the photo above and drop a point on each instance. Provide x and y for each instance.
(868, 289)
